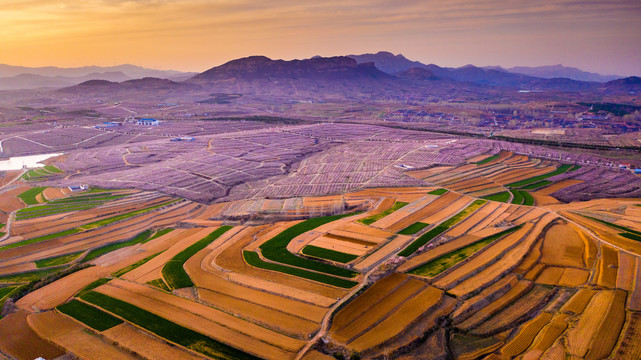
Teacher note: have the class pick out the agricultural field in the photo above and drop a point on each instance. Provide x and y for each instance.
(467, 253)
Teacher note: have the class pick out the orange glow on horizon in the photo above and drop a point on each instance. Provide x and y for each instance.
(194, 35)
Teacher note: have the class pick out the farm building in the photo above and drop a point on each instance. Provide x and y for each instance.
(78, 187)
(148, 122)
(109, 124)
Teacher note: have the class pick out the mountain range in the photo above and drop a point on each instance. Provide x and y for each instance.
(21, 77)
(392, 64)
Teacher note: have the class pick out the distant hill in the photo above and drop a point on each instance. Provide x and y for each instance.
(631, 84)
(559, 71)
(492, 76)
(21, 77)
(388, 62)
(263, 68)
(32, 81)
(148, 84)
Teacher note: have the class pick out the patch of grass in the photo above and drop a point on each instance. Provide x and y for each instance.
(159, 233)
(29, 196)
(114, 219)
(275, 249)
(487, 159)
(631, 236)
(517, 197)
(53, 169)
(127, 269)
(536, 185)
(27, 276)
(58, 260)
(437, 192)
(254, 259)
(89, 315)
(372, 219)
(173, 271)
(9, 291)
(166, 329)
(175, 275)
(159, 283)
(627, 229)
(562, 169)
(442, 227)
(527, 197)
(93, 285)
(66, 205)
(446, 261)
(500, 197)
(86, 227)
(328, 254)
(414, 228)
(138, 239)
(5, 291)
(40, 238)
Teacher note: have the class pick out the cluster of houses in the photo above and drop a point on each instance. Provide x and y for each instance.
(629, 167)
(114, 124)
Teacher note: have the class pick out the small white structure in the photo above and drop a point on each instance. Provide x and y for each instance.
(148, 122)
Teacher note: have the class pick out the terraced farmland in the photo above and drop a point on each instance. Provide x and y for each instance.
(477, 263)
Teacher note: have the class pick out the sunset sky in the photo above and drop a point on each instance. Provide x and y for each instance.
(194, 35)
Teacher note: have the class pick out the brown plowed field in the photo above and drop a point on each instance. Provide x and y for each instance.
(235, 332)
(395, 323)
(435, 206)
(20, 341)
(270, 318)
(71, 335)
(376, 312)
(232, 259)
(146, 344)
(563, 246)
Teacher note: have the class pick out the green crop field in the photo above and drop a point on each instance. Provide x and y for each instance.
(28, 276)
(29, 196)
(446, 261)
(561, 170)
(442, 227)
(173, 271)
(536, 185)
(254, 259)
(73, 203)
(159, 283)
(500, 197)
(328, 254)
(374, 218)
(166, 329)
(487, 160)
(275, 249)
(138, 239)
(93, 285)
(58, 260)
(527, 197)
(414, 228)
(437, 192)
(517, 197)
(89, 226)
(89, 315)
(127, 269)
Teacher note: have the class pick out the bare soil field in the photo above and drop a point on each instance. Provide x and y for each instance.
(145, 344)
(68, 334)
(19, 340)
